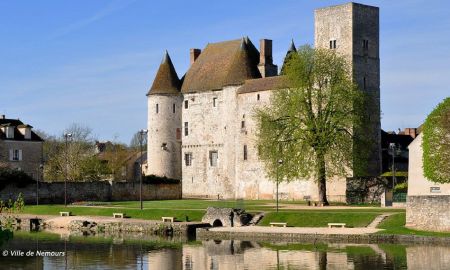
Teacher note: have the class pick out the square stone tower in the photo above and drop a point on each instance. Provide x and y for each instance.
(353, 30)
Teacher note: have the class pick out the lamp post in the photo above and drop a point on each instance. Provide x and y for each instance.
(392, 149)
(280, 161)
(39, 178)
(142, 133)
(67, 136)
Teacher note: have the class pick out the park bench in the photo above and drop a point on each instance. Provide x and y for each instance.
(118, 215)
(276, 224)
(341, 225)
(168, 219)
(65, 214)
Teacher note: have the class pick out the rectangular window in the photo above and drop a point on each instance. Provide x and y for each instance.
(258, 97)
(15, 155)
(214, 102)
(186, 128)
(245, 152)
(213, 157)
(188, 159)
(333, 44)
(186, 104)
(173, 108)
(157, 108)
(242, 124)
(365, 44)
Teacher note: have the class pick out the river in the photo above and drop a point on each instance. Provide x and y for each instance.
(42, 250)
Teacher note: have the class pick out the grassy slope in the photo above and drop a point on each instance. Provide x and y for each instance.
(395, 224)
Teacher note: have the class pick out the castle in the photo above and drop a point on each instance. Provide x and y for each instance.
(201, 129)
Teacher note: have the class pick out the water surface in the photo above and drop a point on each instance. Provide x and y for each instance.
(147, 252)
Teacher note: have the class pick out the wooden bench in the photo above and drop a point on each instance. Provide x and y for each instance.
(341, 225)
(168, 219)
(276, 224)
(118, 215)
(65, 214)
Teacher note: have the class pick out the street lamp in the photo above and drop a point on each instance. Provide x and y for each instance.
(142, 133)
(67, 136)
(393, 151)
(39, 178)
(280, 161)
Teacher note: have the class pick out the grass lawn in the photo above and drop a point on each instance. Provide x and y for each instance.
(395, 224)
(320, 218)
(150, 214)
(195, 209)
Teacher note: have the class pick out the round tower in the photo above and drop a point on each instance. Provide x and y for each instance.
(164, 122)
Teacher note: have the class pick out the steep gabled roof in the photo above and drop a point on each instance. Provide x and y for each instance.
(166, 81)
(221, 64)
(264, 84)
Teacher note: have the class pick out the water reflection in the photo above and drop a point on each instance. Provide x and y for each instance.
(154, 253)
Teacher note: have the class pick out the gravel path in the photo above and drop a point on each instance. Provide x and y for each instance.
(296, 230)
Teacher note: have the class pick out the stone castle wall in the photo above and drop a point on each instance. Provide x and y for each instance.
(431, 213)
(92, 191)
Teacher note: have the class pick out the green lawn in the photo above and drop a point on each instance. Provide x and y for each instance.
(395, 224)
(195, 209)
(150, 214)
(320, 218)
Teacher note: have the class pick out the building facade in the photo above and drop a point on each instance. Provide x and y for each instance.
(20, 147)
(201, 127)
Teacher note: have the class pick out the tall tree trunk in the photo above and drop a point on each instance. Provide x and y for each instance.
(321, 179)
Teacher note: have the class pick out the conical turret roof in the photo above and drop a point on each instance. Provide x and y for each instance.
(289, 52)
(166, 81)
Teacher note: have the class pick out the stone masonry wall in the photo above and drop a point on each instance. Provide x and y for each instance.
(431, 213)
(92, 191)
(31, 155)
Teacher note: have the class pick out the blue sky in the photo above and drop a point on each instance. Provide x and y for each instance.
(92, 62)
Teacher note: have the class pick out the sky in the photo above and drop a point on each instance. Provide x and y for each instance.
(92, 62)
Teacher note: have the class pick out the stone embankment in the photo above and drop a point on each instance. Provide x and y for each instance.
(95, 225)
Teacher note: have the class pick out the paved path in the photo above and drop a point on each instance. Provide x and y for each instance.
(378, 220)
(295, 230)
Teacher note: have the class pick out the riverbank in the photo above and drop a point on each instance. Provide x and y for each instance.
(98, 224)
(313, 235)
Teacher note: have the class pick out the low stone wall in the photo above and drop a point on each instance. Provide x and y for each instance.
(430, 212)
(206, 234)
(92, 191)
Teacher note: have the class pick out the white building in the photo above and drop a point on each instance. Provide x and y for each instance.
(201, 127)
(428, 203)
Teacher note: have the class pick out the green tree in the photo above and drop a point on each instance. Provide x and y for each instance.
(310, 126)
(436, 144)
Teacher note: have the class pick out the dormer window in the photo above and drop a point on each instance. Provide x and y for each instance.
(25, 130)
(9, 132)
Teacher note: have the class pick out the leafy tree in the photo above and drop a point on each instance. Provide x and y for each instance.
(311, 125)
(436, 144)
(135, 141)
(117, 156)
(76, 157)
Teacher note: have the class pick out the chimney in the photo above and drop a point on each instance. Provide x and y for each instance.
(195, 53)
(265, 47)
(266, 66)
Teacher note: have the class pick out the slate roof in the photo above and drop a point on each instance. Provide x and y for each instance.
(291, 50)
(166, 81)
(263, 84)
(221, 64)
(17, 135)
